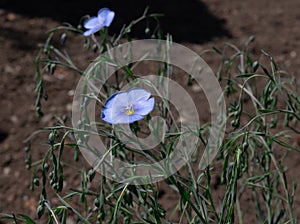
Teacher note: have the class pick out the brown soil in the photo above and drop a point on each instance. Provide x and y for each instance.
(199, 25)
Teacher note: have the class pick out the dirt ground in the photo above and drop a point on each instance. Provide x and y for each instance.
(198, 25)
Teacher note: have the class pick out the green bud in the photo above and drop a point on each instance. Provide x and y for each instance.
(27, 149)
(51, 138)
(91, 174)
(36, 182)
(46, 166)
(63, 38)
(40, 210)
(97, 202)
(245, 146)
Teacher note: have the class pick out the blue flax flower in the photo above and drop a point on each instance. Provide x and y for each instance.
(127, 107)
(94, 24)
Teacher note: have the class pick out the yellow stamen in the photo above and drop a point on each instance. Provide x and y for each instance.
(129, 111)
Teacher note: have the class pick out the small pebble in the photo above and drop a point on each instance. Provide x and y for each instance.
(46, 118)
(6, 171)
(60, 76)
(196, 88)
(71, 92)
(10, 197)
(69, 107)
(11, 16)
(14, 119)
(293, 54)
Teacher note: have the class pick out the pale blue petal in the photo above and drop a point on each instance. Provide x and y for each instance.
(103, 12)
(122, 99)
(135, 117)
(144, 107)
(115, 106)
(125, 119)
(105, 16)
(118, 102)
(111, 116)
(109, 19)
(137, 94)
(111, 99)
(91, 23)
(91, 31)
(106, 115)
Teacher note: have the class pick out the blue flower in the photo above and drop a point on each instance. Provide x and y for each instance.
(127, 107)
(94, 24)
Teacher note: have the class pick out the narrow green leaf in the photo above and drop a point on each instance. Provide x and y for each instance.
(82, 219)
(27, 219)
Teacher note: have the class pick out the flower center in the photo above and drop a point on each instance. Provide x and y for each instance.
(129, 110)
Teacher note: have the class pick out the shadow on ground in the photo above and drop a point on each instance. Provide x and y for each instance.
(187, 20)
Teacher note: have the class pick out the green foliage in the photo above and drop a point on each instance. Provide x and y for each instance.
(249, 160)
